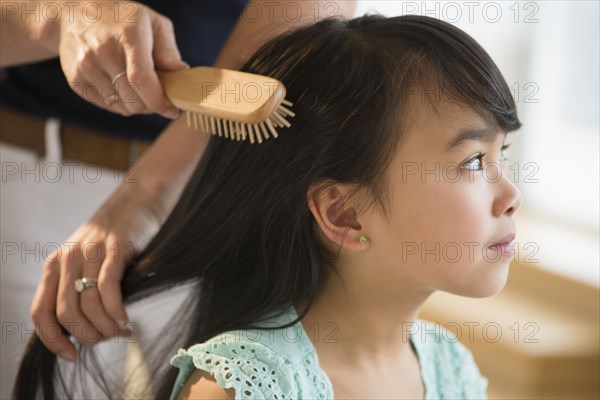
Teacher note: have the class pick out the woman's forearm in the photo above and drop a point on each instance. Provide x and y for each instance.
(159, 176)
(250, 33)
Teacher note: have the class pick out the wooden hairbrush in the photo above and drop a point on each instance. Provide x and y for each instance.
(231, 104)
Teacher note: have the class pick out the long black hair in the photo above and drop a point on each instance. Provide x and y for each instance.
(242, 233)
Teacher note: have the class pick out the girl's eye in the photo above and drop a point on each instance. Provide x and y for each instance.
(476, 163)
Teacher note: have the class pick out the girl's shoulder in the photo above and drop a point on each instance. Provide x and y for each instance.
(447, 364)
(252, 369)
(258, 363)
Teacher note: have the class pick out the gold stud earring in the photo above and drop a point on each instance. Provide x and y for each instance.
(362, 239)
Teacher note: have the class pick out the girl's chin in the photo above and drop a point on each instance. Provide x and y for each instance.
(493, 284)
(490, 279)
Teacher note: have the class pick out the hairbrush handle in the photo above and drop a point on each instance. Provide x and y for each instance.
(223, 93)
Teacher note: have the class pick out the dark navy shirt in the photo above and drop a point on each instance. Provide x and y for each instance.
(201, 30)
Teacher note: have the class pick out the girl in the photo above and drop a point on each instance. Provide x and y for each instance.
(311, 254)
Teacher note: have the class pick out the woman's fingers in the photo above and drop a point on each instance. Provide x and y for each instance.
(109, 64)
(109, 285)
(57, 302)
(88, 73)
(103, 94)
(90, 300)
(43, 311)
(142, 77)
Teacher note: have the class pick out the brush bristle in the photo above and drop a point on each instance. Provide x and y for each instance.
(241, 131)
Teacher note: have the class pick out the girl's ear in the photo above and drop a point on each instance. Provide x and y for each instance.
(334, 217)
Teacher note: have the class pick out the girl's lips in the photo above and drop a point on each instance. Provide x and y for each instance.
(505, 246)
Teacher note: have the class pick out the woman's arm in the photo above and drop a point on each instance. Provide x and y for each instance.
(262, 20)
(24, 32)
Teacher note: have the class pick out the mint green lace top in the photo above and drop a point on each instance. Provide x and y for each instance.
(283, 363)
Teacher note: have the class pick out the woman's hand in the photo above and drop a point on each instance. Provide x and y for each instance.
(100, 248)
(109, 52)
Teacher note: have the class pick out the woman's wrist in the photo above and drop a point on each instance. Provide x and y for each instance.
(148, 195)
(46, 34)
(165, 168)
(27, 38)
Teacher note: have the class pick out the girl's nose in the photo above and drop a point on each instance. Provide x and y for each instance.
(509, 199)
(515, 204)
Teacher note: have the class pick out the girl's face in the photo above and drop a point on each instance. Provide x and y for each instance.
(448, 205)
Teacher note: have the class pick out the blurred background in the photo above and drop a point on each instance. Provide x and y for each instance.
(538, 338)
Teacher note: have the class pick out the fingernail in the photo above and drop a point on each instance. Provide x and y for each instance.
(68, 355)
(127, 332)
(122, 324)
(173, 113)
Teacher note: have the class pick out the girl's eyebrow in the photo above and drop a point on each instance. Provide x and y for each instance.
(486, 135)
